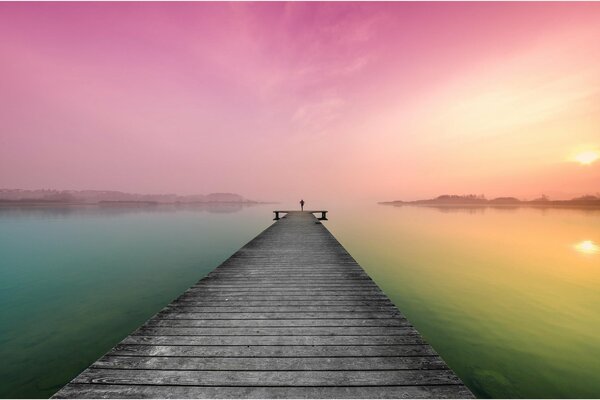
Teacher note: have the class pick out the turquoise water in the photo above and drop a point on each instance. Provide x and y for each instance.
(510, 298)
(75, 281)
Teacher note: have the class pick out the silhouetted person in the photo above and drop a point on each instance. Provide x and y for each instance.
(302, 205)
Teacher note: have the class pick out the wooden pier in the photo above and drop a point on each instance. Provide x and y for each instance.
(290, 315)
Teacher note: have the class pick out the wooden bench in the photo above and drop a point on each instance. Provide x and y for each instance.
(323, 216)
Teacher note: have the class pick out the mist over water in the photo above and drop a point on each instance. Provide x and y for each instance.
(508, 297)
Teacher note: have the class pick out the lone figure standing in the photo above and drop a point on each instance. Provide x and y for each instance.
(302, 205)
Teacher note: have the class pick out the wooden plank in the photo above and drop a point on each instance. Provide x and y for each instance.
(282, 323)
(268, 378)
(277, 331)
(176, 340)
(270, 363)
(273, 351)
(295, 272)
(287, 277)
(298, 282)
(97, 391)
(278, 315)
(289, 289)
(182, 307)
(295, 283)
(287, 286)
(260, 273)
(279, 297)
(261, 303)
(290, 315)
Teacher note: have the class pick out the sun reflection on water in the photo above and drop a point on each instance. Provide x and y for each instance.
(587, 247)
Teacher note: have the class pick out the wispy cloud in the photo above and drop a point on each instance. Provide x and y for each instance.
(316, 116)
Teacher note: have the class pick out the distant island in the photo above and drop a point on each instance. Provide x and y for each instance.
(107, 198)
(471, 200)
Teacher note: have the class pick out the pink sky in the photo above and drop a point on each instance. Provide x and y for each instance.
(328, 101)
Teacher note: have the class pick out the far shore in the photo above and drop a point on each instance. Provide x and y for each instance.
(472, 201)
(53, 203)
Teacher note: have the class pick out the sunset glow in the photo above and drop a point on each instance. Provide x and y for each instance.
(276, 101)
(587, 247)
(587, 157)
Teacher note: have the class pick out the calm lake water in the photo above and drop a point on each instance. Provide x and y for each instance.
(510, 298)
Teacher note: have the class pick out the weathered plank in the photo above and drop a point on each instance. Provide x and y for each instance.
(277, 331)
(282, 323)
(176, 340)
(308, 290)
(182, 307)
(270, 363)
(267, 378)
(187, 301)
(95, 391)
(262, 296)
(274, 351)
(290, 315)
(299, 274)
(176, 314)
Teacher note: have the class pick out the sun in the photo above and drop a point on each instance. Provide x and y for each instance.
(587, 157)
(587, 247)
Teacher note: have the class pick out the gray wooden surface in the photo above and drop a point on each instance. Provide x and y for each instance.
(290, 315)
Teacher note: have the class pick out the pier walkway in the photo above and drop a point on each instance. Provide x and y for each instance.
(290, 315)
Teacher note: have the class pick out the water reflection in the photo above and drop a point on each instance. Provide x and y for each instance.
(506, 296)
(65, 210)
(587, 247)
(482, 208)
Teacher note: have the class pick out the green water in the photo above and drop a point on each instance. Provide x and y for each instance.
(509, 297)
(75, 281)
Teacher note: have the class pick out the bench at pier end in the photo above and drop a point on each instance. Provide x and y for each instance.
(323, 216)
